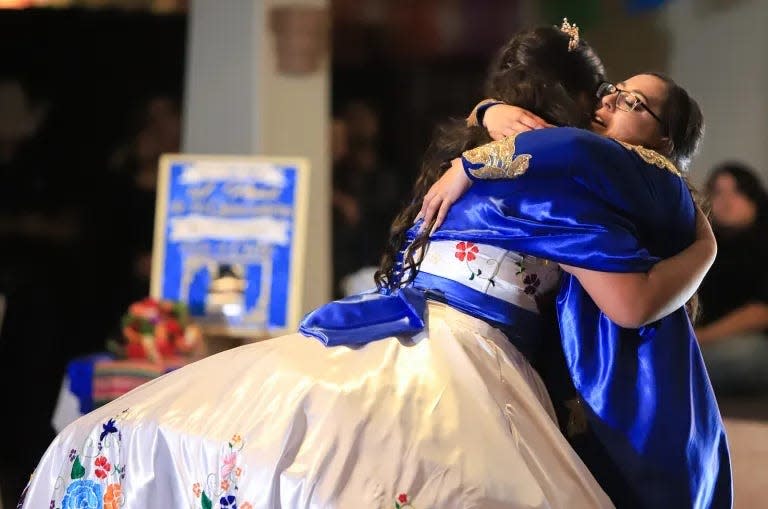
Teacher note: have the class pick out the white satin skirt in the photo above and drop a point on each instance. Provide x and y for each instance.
(453, 417)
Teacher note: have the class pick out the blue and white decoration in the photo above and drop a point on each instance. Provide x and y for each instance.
(229, 240)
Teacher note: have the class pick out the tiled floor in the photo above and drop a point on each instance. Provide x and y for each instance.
(748, 440)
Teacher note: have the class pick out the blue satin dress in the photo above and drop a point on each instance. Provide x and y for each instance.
(654, 437)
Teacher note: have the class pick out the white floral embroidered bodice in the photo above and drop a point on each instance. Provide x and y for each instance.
(506, 275)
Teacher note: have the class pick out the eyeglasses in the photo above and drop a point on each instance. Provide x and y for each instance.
(625, 100)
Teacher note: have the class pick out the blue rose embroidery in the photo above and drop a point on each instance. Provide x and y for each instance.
(82, 494)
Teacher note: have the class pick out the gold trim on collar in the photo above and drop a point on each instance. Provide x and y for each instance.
(652, 157)
(498, 159)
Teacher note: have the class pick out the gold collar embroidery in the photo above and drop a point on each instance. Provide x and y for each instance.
(652, 157)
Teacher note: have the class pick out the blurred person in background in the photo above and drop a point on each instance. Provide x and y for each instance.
(366, 194)
(153, 129)
(41, 226)
(346, 228)
(733, 331)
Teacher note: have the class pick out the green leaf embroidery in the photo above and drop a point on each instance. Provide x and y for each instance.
(207, 504)
(78, 471)
(479, 272)
(472, 276)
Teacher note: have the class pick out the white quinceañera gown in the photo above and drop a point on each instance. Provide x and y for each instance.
(452, 417)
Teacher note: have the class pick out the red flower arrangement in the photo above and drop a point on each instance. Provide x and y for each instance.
(159, 330)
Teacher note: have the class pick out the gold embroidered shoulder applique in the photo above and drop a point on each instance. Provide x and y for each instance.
(652, 157)
(498, 159)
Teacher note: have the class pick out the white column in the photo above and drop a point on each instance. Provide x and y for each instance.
(236, 102)
(222, 96)
(295, 120)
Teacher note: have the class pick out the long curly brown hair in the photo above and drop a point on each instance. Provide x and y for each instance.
(534, 70)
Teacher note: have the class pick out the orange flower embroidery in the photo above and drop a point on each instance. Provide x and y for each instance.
(113, 496)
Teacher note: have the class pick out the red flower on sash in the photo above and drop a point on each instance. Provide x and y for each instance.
(466, 250)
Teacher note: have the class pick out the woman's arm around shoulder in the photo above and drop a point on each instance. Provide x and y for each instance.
(632, 300)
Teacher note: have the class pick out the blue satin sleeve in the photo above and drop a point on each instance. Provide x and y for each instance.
(583, 200)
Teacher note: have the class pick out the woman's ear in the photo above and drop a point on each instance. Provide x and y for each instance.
(666, 146)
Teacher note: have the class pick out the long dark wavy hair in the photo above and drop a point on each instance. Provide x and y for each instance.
(534, 70)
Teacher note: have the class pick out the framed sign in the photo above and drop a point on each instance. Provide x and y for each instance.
(229, 241)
